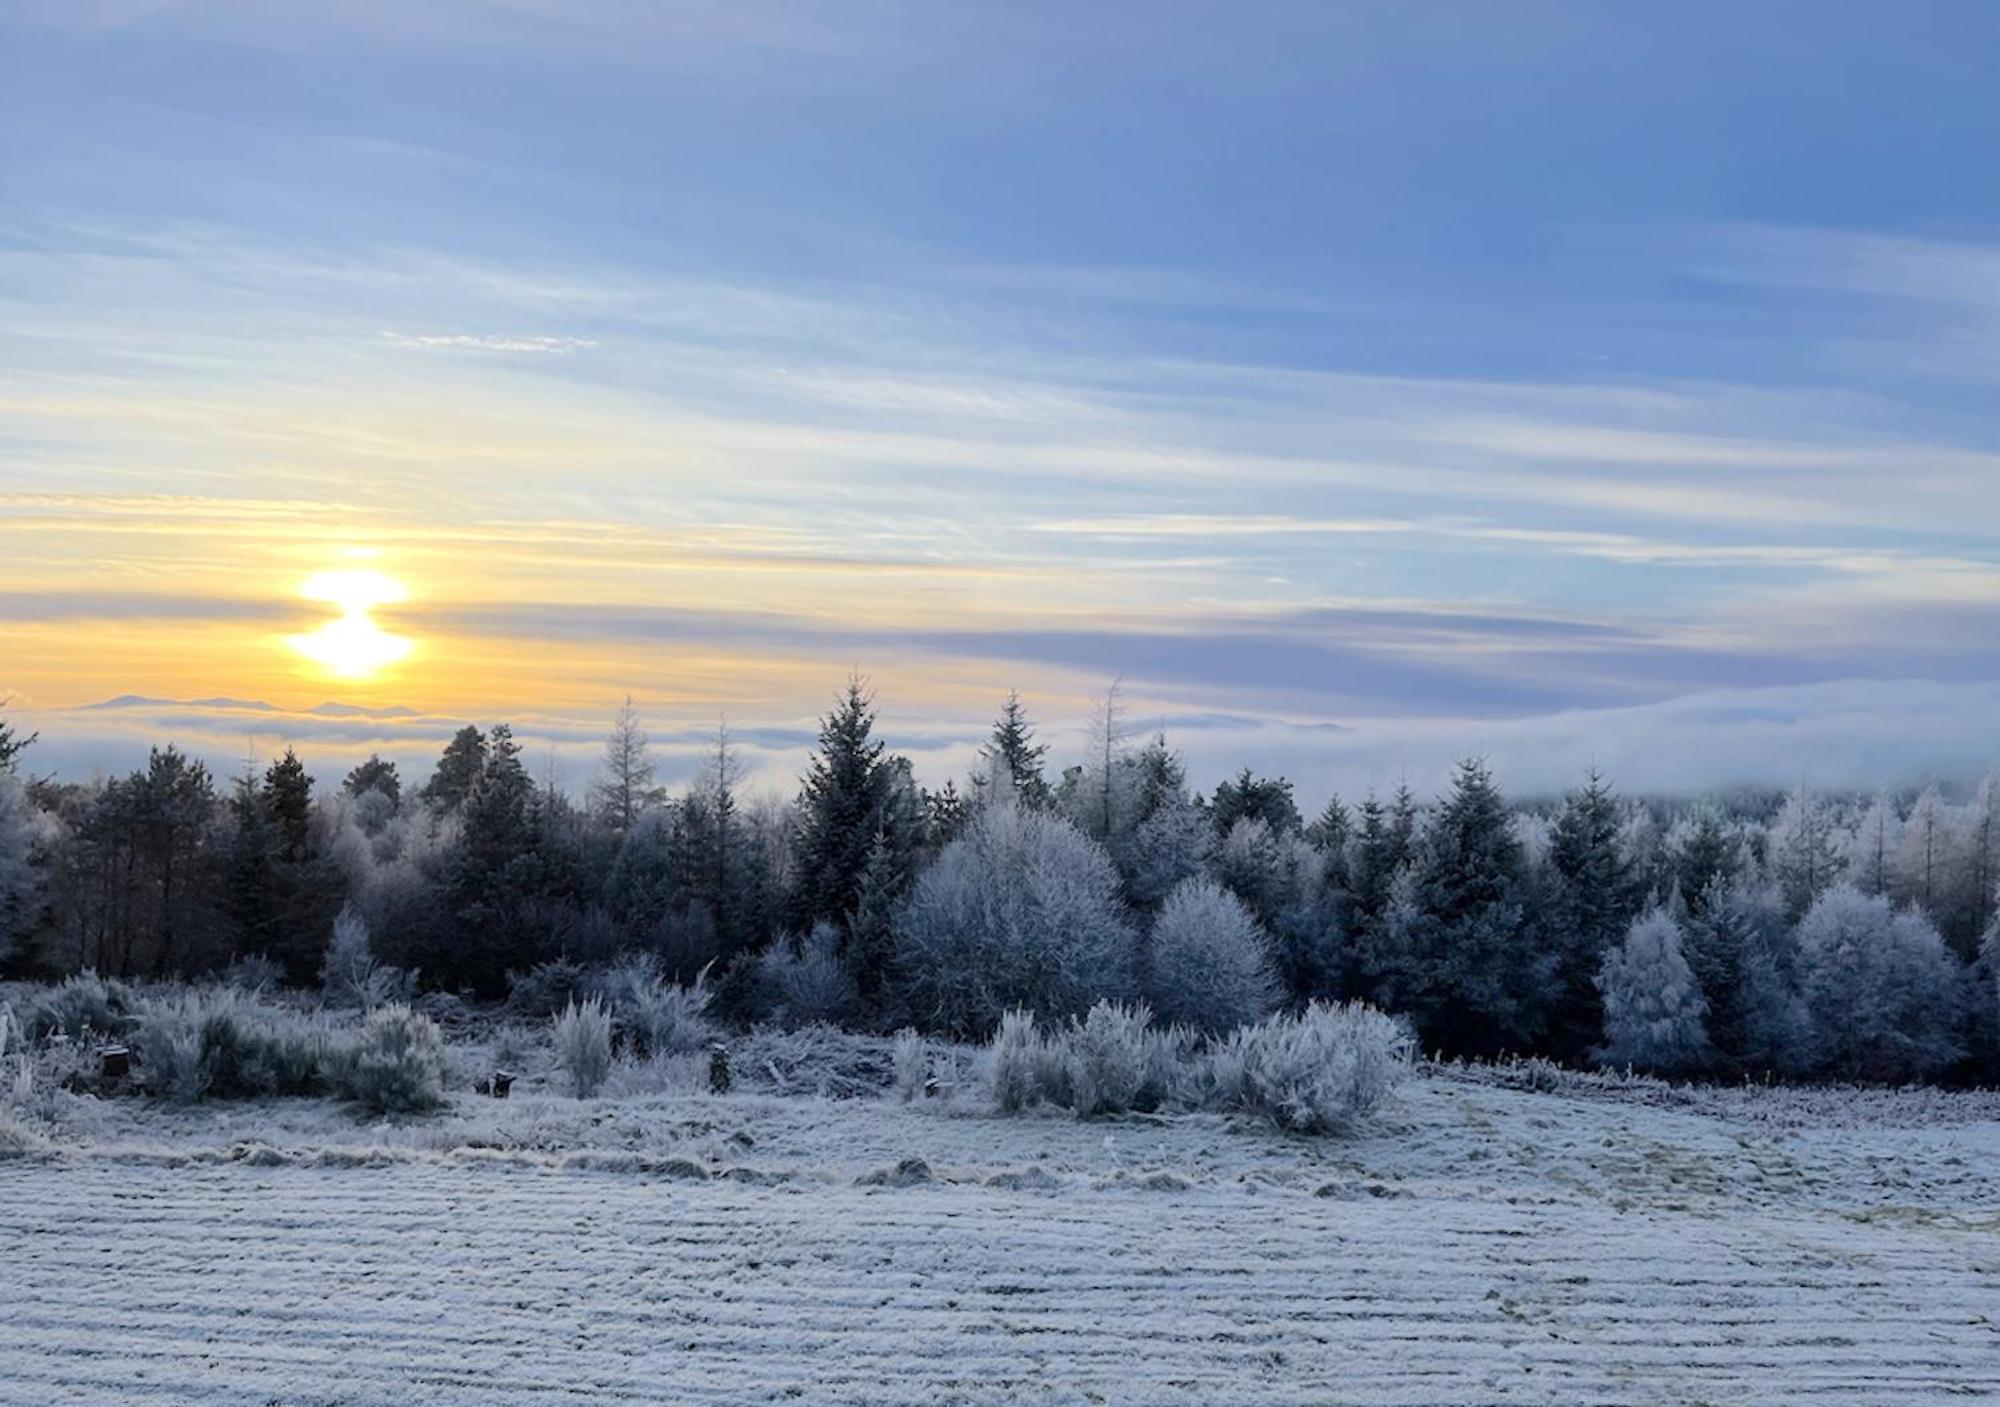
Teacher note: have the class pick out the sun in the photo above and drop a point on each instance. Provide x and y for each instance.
(353, 646)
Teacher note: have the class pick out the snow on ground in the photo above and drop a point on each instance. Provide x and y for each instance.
(1600, 1244)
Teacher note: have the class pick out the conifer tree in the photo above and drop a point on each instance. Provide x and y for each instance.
(1267, 799)
(12, 742)
(1653, 1006)
(1013, 752)
(840, 810)
(288, 801)
(1801, 851)
(1591, 901)
(624, 787)
(375, 775)
(458, 771)
(1703, 855)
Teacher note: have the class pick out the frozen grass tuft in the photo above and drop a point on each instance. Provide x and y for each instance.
(582, 1036)
(83, 1006)
(911, 1064)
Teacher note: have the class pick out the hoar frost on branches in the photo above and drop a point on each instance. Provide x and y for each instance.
(1209, 963)
(1021, 911)
(1653, 1007)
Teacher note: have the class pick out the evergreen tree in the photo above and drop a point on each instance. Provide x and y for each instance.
(288, 801)
(250, 896)
(840, 810)
(12, 742)
(1485, 990)
(1591, 901)
(492, 869)
(172, 813)
(1744, 956)
(458, 771)
(871, 928)
(378, 776)
(1013, 752)
(1653, 1007)
(1267, 799)
(945, 815)
(1703, 854)
(1330, 832)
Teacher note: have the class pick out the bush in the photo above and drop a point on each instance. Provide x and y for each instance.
(1324, 1070)
(911, 1064)
(1209, 964)
(397, 1065)
(653, 1015)
(220, 1043)
(1014, 1076)
(546, 988)
(810, 986)
(1110, 1059)
(351, 976)
(583, 1046)
(83, 1005)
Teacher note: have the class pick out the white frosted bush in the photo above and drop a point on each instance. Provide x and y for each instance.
(1023, 910)
(659, 1017)
(1014, 1076)
(1209, 964)
(220, 1043)
(1324, 1070)
(583, 1046)
(911, 1064)
(810, 986)
(1110, 1059)
(349, 973)
(397, 1064)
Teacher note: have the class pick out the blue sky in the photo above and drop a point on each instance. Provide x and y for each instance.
(1525, 379)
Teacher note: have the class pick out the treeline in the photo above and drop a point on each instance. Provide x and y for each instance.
(1848, 937)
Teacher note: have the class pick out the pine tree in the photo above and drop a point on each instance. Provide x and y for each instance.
(945, 815)
(1653, 1006)
(492, 869)
(250, 894)
(1012, 752)
(871, 928)
(1330, 832)
(378, 776)
(624, 787)
(458, 771)
(12, 742)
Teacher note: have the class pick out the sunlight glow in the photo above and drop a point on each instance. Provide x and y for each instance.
(354, 646)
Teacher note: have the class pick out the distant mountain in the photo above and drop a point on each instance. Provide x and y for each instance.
(325, 710)
(344, 710)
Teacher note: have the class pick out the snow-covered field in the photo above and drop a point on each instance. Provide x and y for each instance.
(1481, 1244)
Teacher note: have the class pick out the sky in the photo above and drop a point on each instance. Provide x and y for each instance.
(1365, 384)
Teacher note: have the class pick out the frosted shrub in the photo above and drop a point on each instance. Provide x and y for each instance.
(1110, 1059)
(582, 1037)
(1209, 964)
(85, 1004)
(350, 975)
(656, 1016)
(219, 1043)
(546, 988)
(810, 986)
(1014, 1077)
(397, 1064)
(1321, 1071)
(911, 1064)
(1023, 910)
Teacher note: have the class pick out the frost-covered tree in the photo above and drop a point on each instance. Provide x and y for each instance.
(1884, 992)
(1923, 862)
(1380, 847)
(1745, 956)
(1170, 846)
(1282, 879)
(1801, 850)
(1020, 911)
(1209, 963)
(1982, 856)
(624, 787)
(1873, 845)
(1654, 1012)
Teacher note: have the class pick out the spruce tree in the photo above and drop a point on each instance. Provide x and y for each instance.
(288, 801)
(1267, 799)
(1591, 901)
(1013, 752)
(840, 810)
(12, 743)
(375, 775)
(1486, 988)
(1706, 854)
